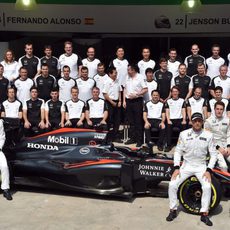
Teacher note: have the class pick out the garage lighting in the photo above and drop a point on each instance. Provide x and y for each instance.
(25, 5)
(191, 6)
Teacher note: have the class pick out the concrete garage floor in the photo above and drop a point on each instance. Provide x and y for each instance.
(34, 209)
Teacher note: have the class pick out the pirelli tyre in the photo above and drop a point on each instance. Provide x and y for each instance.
(190, 192)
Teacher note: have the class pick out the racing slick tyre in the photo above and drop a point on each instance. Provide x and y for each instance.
(190, 193)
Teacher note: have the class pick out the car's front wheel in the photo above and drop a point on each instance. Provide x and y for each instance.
(190, 193)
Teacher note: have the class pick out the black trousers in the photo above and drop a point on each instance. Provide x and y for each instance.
(114, 120)
(134, 110)
(55, 124)
(155, 124)
(169, 130)
(96, 124)
(74, 122)
(33, 129)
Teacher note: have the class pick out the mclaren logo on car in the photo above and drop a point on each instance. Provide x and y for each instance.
(63, 140)
(42, 146)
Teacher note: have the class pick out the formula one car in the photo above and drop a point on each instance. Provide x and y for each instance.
(79, 160)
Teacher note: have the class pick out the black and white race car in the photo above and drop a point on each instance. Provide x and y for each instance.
(79, 160)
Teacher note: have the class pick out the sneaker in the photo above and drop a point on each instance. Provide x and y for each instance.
(172, 215)
(206, 220)
(139, 144)
(160, 148)
(129, 142)
(168, 149)
(7, 195)
(117, 140)
(150, 144)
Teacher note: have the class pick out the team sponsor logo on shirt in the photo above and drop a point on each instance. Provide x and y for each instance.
(42, 146)
(63, 140)
(203, 139)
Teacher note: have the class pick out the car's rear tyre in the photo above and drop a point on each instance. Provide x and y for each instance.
(190, 192)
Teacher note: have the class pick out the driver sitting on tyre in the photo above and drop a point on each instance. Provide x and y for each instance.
(193, 145)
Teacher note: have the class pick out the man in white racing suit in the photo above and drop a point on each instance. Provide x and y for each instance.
(193, 145)
(219, 125)
(3, 166)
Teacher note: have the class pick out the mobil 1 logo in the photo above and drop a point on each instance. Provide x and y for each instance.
(63, 140)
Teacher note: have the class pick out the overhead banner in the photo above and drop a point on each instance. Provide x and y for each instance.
(115, 19)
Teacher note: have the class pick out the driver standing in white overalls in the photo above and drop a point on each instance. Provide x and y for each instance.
(193, 145)
(3, 166)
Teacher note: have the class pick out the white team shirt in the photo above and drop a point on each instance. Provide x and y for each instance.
(112, 88)
(11, 70)
(175, 108)
(213, 66)
(100, 81)
(122, 69)
(224, 83)
(23, 89)
(96, 108)
(134, 85)
(228, 64)
(212, 104)
(143, 65)
(74, 108)
(85, 88)
(12, 109)
(91, 65)
(173, 67)
(72, 62)
(154, 110)
(196, 105)
(65, 88)
(151, 86)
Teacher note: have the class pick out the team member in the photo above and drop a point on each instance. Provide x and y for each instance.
(146, 62)
(134, 89)
(44, 83)
(218, 97)
(65, 84)
(10, 66)
(193, 60)
(194, 145)
(11, 112)
(54, 111)
(154, 117)
(51, 61)
(100, 78)
(74, 110)
(219, 126)
(85, 85)
(112, 95)
(34, 114)
(4, 84)
(223, 81)
(228, 57)
(173, 63)
(196, 104)
(11, 108)
(96, 112)
(121, 65)
(91, 62)
(175, 115)
(70, 59)
(5, 185)
(30, 61)
(151, 84)
(201, 80)
(163, 78)
(23, 85)
(183, 82)
(214, 62)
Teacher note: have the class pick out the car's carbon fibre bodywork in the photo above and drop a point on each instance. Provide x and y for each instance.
(80, 160)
